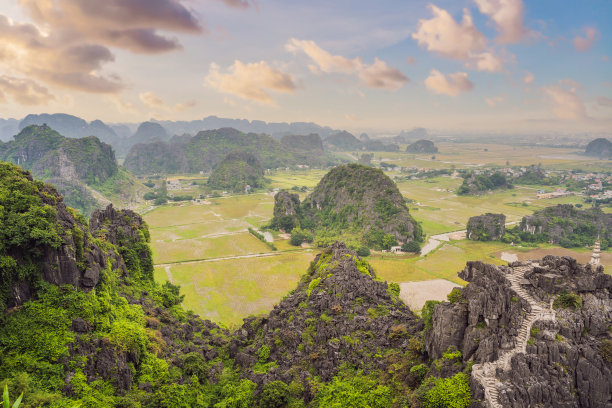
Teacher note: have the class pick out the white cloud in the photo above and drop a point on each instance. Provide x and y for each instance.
(462, 41)
(487, 61)
(23, 91)
(566, 103)
(377, 75)
(604, 101)
(380, 75)
(494, 100)
(443, 35)
(151, 100)
(508, 17)
(451, 84)
(585, 43)
(325, 61)
(251, 81)
(528, 78)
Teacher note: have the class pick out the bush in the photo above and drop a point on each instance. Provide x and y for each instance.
(299, 236)
(451, 392)
(568, 301)
(363, 251)
(275, 394)
(411, 246)
(160, 201)
(353, 391)
(456, 296)
(427, 313)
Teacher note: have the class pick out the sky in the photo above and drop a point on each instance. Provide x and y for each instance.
(502, 66)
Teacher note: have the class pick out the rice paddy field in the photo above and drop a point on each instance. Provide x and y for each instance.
(226, 274)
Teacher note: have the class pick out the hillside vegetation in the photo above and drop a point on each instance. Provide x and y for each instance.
(358, 203)
(205, 150)
(72, 164)
(237, 171)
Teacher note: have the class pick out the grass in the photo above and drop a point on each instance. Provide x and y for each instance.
(228, 291)
(443, 263)
(207, 248)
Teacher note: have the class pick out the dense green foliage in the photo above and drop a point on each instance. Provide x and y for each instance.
(237, 171)
(565, 225)
(481, 183)
(27, 222)
(451, 392)
(356, 204)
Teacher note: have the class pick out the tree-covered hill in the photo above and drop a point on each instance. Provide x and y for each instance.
(357, 203)
(600, 147)
(343, 141)
(422, 146)
(204, 151)
(74, 165)
(237, 171)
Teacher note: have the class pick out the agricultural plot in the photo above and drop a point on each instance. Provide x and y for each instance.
(227, 291)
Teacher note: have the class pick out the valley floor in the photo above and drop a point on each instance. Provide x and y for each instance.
(227, 274)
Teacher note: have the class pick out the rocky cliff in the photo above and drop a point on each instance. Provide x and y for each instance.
(71, 164)
(359, 200)
(422, 146)
(535, 334)
(601, 148)
(486, 227)
(569, 225)
(343, 141)
(237, 171)
(204, 151)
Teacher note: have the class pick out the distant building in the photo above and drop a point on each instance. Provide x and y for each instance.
(560, 192)
(396, 249)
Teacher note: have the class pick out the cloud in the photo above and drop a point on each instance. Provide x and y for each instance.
(251, 81)
(508, 18)
(585, 43)
(528, 78)
(240, 3)
(151, 100)
(494, 100)
(486, 61)
(451, 84)
(566, 102)
(325, 61)
(25, 49)
(443, 35)
(462, 41)
(133, 25)
(603, 101)
(380, 75)
(376, 75)
(23, 91)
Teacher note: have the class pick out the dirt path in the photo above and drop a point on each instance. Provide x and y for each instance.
(435, 240)
(260, 255)
(486, 373)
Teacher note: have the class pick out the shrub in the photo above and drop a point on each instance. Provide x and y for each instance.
(568, 301)
(275, 394)
(411, 246)
(456, 296)
(263, 354)
(427, 313)
(451, 392)
(393, 289)
(363, 251)
(353, 391)
(606, 350)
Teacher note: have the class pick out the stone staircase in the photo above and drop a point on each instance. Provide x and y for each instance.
(486, 373)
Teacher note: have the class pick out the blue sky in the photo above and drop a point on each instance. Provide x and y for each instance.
(470, 65)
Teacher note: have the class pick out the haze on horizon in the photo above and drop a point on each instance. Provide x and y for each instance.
(469, 65)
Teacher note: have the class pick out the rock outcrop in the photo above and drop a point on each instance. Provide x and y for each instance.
(286, 211)
(600, 147)
(535, 332)
(357, 199)
(422, 146)
(237, 171)
(486, 227)
(566, 222)
(325, 322)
